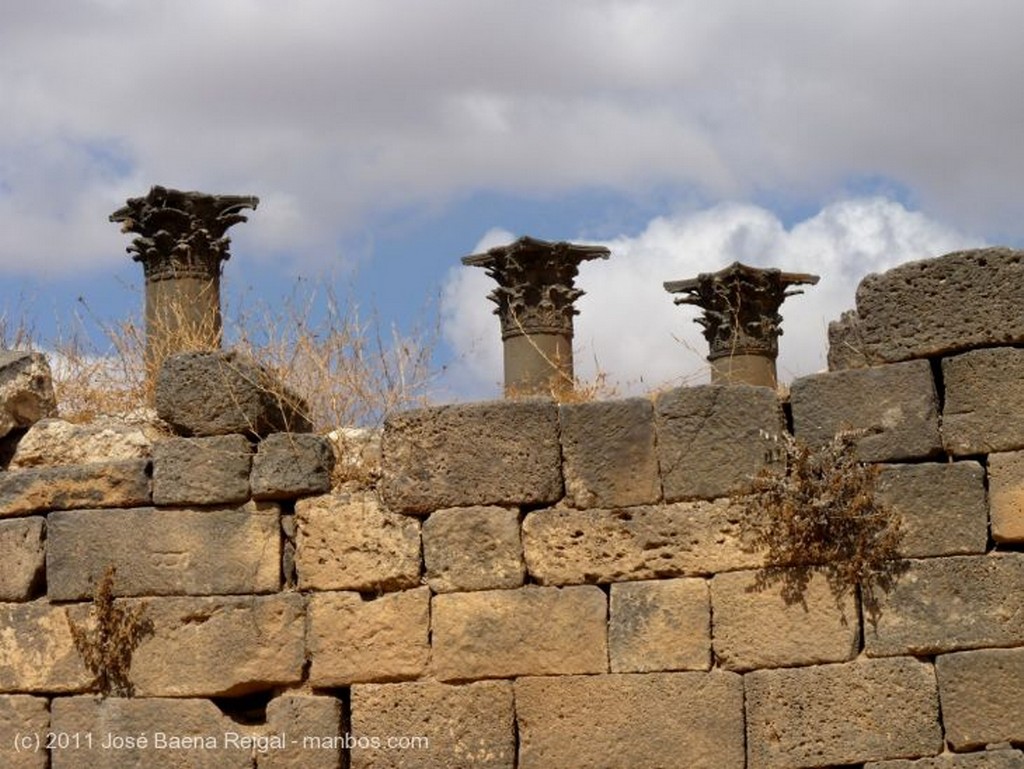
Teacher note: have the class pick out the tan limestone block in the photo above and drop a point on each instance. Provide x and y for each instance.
(660, 625)
(1006, 495)
(473, 548)
(24, 553)
(23, 719)
(314, 723)
(37, 653)
(467, 725)
(349, 542)
(355, 640)
(865, 710)
(529, 631)
(566, 547)
(982, 694)
(692, 720)
(215, 647)
(124, 483)
(756, 629)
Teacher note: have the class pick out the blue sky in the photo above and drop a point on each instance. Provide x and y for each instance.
(387, 139)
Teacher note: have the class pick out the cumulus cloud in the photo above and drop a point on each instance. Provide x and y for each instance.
(629, 327)
(336, 111)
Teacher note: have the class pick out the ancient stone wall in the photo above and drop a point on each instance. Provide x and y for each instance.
(535, 586)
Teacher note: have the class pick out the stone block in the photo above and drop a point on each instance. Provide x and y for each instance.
(220, 647)
(26, 390)
(986, 759)
(659, 625)
(935, 306)
(984, 408)
(942, 507)
(355, 640)
(757, 629)
(692, 720)
(348, 542)
(179, 734)
(202, 471)
(1006, 496)
(218, 393)
(895, 405)
(55, 443)
(290, 465)
(866, 710)
(473, 548)
(946, 604)
(469, 725)
(712, 439)
(315, 725)
(846, 348)
(23, 718)
(981, 693)
(529, 631)
(24, 554)
(608, 453)
(37, 653)
(494, 453)
(123, 483)
(164, 552)
(566, 547)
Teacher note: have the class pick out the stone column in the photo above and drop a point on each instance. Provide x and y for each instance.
(741, 319)
(535, 297)
(182, 247)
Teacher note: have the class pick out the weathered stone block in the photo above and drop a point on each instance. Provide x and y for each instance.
(846, 347)
(692, 720)
(164, 552)
(756, 629)
(864, 710)
(354, 640)
(213, 647)
(102, 484)
(565, 547)
(1006, 496)
(942, 507)
(529, 631)
(315, 725)
(981, 694)
(180, 734)
(23, 717)
(935, 306)
(896, 406)
(26, 390)
(984, 408)
(470, 725)
(218, 393)
(36, 650)
(202, 471)
(659, 625)
(608, 453)
(291, 465)
(24, 554)
(712, 439)
(473, 548)
(988, 759)
(946, 604)
(348, 542)
(495, 453)
(55, 442)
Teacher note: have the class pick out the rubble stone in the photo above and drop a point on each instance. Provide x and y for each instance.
(26, 390)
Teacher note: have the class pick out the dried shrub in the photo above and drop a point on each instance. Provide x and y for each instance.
(109, 638)
(815, 510)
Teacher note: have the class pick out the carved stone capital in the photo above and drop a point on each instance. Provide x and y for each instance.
(181, 234)
(536, 290)
(741, 307)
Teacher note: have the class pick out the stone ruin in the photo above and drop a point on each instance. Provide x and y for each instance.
(527, 585)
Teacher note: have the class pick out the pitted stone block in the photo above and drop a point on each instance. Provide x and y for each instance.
(981, 693)
(290, 465)
(473, 548)
(202, 471)
(896, 406)
(984, 408)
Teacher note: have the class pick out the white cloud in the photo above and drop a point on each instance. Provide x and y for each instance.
(629, 327)
(338, 110)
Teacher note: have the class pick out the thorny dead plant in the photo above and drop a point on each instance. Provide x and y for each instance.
(109, 638)
(815, 510)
